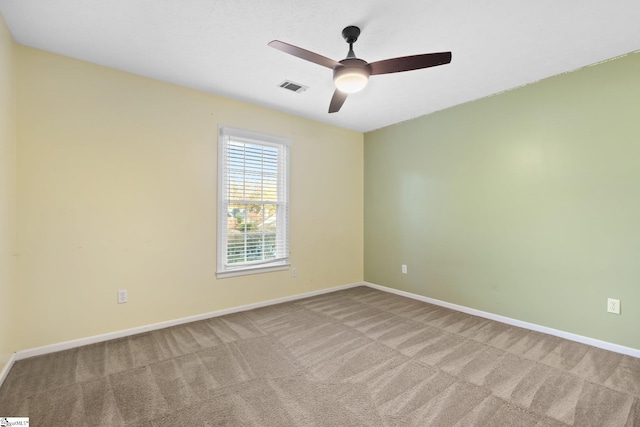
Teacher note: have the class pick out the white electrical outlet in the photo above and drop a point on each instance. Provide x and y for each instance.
(122, 296)
(294, 273)
(613, 305)
(404, 268)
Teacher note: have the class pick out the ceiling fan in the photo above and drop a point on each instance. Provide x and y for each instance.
(352, 74)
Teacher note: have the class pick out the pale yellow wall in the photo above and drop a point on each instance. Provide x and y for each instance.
(524, 204)
(117, 189)
(7, 190)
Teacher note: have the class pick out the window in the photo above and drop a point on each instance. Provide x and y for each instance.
(253, 202)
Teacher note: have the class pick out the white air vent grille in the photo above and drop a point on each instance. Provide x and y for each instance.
(293, 87)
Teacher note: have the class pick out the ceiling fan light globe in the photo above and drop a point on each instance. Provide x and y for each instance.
(351, 82)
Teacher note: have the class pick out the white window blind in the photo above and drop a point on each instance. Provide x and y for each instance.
(253, 202)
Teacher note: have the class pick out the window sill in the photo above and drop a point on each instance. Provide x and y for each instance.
(251, 270)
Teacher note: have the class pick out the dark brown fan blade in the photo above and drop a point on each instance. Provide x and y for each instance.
(337, 101)
(408, 63)
(303, 54)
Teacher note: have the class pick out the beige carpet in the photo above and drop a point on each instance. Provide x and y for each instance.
(349, 358)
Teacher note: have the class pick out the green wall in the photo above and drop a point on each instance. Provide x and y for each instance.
(525, 204)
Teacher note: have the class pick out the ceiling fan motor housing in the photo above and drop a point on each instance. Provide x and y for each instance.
(351, 75)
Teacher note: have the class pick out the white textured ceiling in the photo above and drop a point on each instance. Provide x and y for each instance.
(220, 46)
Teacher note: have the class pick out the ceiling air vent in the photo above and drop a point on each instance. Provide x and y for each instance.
(293, 87)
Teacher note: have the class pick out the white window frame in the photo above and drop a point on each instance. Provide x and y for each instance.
(224, 269)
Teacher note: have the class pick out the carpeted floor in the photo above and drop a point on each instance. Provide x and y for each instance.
(349, 358)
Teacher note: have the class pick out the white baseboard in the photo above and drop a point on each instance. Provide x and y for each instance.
(514, 322)
(5, 371)
(52, 348)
